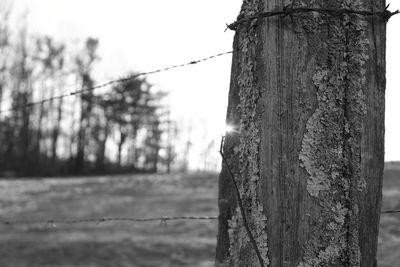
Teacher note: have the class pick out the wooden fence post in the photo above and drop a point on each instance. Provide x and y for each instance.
(307, 99)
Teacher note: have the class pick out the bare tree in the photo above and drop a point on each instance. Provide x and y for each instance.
(4, 45)
(49, 59)
(84, 64)
(186, 152)
(22, 70)
(172, 135)
(307, 100)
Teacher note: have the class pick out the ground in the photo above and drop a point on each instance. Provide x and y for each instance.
(144, 244)
(389, 229)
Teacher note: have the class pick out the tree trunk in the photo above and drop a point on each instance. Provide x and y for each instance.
(80, 146)
(1, 95)
(122, 139)
(24, 138)
(307, 95)
(86, 101)
(101, 146)
(56, 132)
(39, 135)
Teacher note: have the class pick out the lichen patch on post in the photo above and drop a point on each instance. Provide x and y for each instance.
(241, 251)
(330, 151)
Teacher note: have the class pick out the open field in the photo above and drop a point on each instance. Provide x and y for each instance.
(179, 243)
(389, 230)
(148, 244)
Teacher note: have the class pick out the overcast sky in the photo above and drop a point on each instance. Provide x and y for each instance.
(143, 35)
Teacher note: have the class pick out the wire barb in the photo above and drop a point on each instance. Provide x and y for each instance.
(121, 80)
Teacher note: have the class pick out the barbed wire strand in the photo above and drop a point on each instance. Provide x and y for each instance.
(121, 80)
(390, 211)
(289, 10)
(162, 219)
(240, 204)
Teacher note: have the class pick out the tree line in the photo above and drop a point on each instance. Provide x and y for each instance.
(126, 128)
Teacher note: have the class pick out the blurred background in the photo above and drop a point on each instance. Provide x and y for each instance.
(147, 147)
(166, 121)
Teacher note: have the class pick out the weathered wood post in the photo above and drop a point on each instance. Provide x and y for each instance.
(307, 98)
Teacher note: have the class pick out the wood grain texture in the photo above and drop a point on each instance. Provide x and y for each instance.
(320, 156)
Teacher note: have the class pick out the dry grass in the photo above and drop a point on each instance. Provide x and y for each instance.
(389, 230)
(180, 243)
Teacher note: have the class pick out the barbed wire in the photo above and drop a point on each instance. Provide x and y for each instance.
(54, 222)
(289, 10)
(121, 80)
(390, 211)
(162, 219)
(240, 204)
